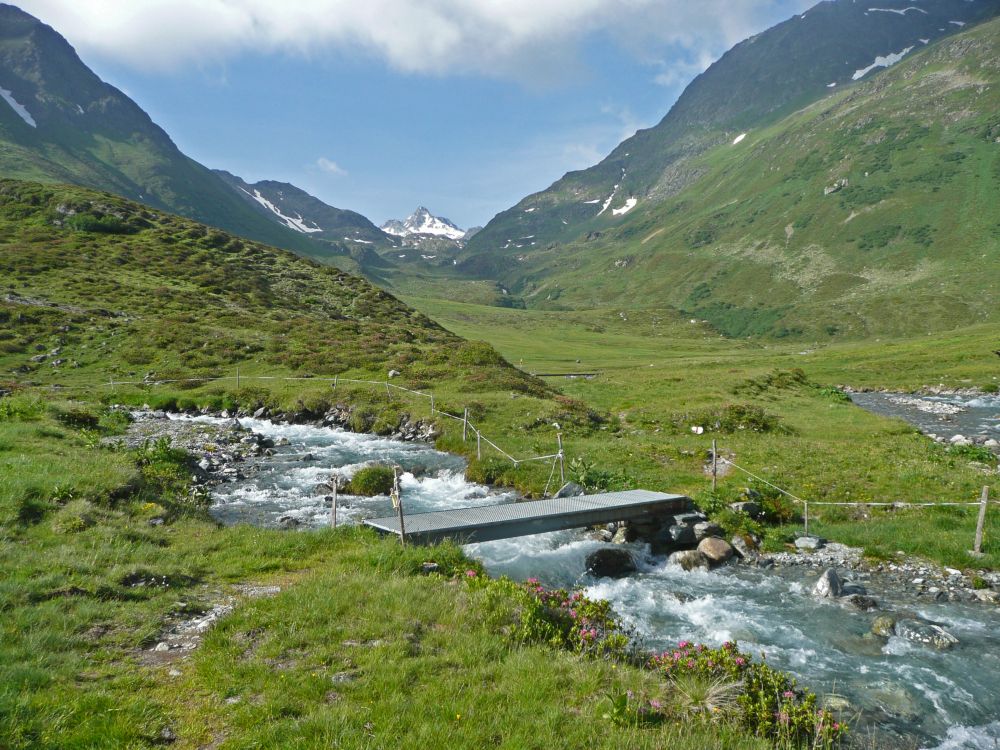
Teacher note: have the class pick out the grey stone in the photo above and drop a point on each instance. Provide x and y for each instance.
(987, 595)
(430, 567)
(570, 489)
(716, 550)
(861, 601)
(744, 546)
(610, 562)
(682, 534)
(829, 585)
(690, 559)
(810, 543)
(706, 529)
(927, 633)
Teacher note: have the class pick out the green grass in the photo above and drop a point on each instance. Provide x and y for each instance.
(423, 666)
(659, 375)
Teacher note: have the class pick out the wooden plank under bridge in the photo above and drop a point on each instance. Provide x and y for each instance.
(487, 523)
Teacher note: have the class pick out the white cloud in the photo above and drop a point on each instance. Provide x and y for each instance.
(526, 40)
(330, 167)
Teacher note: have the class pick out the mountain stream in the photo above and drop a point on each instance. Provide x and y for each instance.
(908, 694)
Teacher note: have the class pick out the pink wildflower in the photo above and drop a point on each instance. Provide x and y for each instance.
(683, 644)
(471, 573)
(788, 694)
(656, 704)
(782, 717)
(740, 661)
(533, 581)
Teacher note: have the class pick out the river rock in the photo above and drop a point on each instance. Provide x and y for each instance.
(835, 702)
(690, 559)
(987, 595)
(884, 626)
(706, 529)
(861, 601)
(682, 534)
(750, 508)
(570, 489)
(716, 550)
(610, 562)
(288, 522)
(624, 534)
(829, 585)
(927, 633)
(810, 543)
(745, 545)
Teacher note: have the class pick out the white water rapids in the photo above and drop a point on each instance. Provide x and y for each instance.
(905, 692)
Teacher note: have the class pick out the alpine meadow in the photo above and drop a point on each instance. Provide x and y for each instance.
(696, 447)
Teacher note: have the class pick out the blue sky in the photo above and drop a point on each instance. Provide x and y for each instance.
(464, 106)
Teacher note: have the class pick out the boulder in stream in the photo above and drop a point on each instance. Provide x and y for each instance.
(717, 551)
(690, 559)
(829, 585)
(884, 626)
(706, 529)
(927, 633)
(610, 562)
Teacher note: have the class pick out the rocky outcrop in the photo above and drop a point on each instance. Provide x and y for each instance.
(916, 630)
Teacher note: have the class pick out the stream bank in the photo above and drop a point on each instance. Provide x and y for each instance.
(906, 692)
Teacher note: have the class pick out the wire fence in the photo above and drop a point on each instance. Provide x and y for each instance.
(982, 503)
(558, 458)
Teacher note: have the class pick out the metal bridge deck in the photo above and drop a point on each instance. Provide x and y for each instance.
(489, 522)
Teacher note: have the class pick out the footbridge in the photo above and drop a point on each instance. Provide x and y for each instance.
(487, 523)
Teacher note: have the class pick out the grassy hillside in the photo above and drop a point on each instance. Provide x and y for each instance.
(869, 213)
(753, 85)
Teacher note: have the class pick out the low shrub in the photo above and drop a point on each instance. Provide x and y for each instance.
(371, 480)
(529, 613)
(978, 453)
(766, 701)
(596, 479)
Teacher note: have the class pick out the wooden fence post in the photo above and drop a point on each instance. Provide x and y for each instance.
(977, 548)
(237, 378)
(465, 424)
(333, 506)
(715, 465)
(562, 460)
(397, 500)
(479, 445)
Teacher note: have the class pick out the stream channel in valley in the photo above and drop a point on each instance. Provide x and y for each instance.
(909, 694)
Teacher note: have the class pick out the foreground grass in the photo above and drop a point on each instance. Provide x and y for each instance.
(358, 650)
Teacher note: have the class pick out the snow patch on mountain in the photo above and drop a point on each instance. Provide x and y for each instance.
(899, 11)
(881, 62)
(21, 111)
(297, 223)
(739, 138)
(423, 221)
(629, 205)
(613, 194)
(960, 24)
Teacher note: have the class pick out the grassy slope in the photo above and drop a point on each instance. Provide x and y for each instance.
(913, 244)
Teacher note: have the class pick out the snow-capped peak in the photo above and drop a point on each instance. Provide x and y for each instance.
(423, 221)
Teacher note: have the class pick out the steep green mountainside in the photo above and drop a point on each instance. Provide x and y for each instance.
(872, 211)
(756, 83)
(94, 287)
(71, 127)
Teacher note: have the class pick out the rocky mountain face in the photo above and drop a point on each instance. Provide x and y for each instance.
(755, 84)
(301, 212)
(59, 122)
(423, 222)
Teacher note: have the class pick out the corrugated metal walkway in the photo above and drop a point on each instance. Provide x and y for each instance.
(489, 522)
